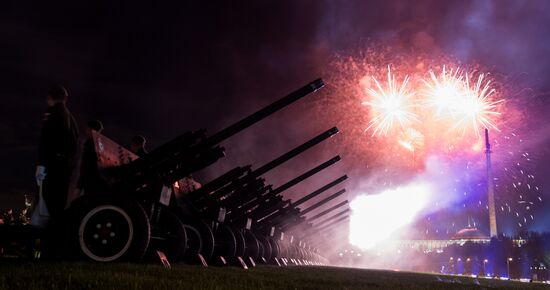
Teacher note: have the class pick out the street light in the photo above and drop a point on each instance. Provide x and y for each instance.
(508, 266)
(484, 267)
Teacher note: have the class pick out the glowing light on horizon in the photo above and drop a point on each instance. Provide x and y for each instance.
(378, 217)
(390, 106)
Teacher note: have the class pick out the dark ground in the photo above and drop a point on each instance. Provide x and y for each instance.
(43, 275)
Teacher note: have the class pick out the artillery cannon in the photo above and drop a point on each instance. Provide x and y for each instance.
(257, 207)
(224, 201)
(271, 221)
(277, 214)
(246, 198)
(131, 207)
(247, 184)
(266, 246)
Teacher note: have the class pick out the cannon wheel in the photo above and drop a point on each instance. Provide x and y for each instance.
(200, 238)
(225, 243)
(275, 248)
(169, 236)
(194, 243)
(266, 246)
(261, 248)
(252, 245)
(110, 229)
(241, 243)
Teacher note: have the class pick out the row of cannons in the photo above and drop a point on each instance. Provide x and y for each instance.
(131, 208)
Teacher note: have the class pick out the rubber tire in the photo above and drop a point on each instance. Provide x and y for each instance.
(252, 245)
(172, 234)
(266, 246)
(206, 235)
(125, 212)
(261, 249)
(241, 244)
(275, 249)
(194, 243)
(225, 243)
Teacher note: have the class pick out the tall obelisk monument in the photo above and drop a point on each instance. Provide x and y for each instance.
(490, 188)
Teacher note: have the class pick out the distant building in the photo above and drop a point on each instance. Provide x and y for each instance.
(468, 234)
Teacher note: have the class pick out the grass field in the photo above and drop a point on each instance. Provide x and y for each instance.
(44, 275)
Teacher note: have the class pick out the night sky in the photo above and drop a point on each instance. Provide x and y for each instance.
(160, 69)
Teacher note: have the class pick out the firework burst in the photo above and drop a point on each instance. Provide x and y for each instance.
(390, 106)
(443, 91)
(421, 108)
(467, 106)
(475, 107)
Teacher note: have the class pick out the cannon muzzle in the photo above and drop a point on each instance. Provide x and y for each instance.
(193, 151)
(322, 202)
(319, 191)
(259, 206)
(266, 111)
(325, 212)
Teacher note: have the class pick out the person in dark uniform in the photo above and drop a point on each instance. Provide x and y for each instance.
(138, 145)
(94, 125)
(56, 151)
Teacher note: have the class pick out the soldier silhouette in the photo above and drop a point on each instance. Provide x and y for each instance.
(137, 145)
(56, 151)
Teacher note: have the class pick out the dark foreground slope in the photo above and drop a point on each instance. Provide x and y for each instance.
(41, 275)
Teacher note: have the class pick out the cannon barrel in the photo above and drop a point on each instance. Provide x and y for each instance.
(275, 215)
(219, 182)
(273, 211)
(237, 184)
(323, 223)
(328, 210)
(259, 204)
(289, 217)
(322, 202)
(306, 175)
(334, 222)
(316, 226)
(319, 191)
(333, 217)
(193, 151)
(290, 223)
(313, 231)
(296, 151)
(266, 111)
